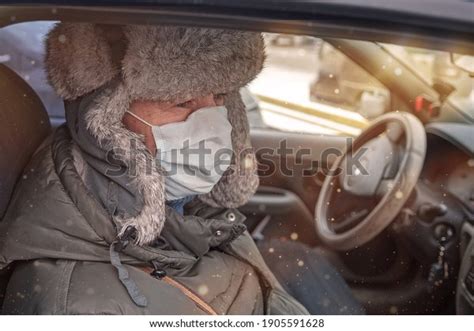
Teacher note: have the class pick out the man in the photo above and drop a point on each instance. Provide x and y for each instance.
(130, 207)
(95, 226)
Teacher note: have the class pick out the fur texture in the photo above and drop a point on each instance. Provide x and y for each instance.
(166, 64)
(240, 181)
(105, 122)
(78, 59)
(189, 62)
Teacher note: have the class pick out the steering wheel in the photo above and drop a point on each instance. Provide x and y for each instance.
(391, 156)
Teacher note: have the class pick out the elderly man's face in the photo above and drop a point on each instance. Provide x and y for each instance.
(160, 113)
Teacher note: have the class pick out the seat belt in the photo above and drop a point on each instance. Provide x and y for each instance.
(186, 291)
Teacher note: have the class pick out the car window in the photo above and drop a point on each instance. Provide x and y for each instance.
(22, 50)
(309, 86)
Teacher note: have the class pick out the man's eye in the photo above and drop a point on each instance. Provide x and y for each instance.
(183, 104)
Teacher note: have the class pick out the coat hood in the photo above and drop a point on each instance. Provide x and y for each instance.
(68, 221)
(159, 63)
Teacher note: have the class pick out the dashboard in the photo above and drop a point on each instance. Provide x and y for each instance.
(449, 163)
(449, 166)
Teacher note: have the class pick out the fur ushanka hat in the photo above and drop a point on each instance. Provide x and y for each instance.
(160, 63)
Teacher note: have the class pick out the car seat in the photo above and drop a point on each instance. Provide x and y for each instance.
(24, 125)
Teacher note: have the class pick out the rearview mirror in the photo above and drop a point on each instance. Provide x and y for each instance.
(463, 62)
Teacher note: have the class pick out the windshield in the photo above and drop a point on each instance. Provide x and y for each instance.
(433, 66)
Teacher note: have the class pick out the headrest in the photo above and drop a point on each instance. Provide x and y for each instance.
(24, 124)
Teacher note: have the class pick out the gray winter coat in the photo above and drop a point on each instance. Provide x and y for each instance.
(59, 235)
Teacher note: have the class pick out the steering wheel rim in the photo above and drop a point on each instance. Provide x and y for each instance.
(392, 202)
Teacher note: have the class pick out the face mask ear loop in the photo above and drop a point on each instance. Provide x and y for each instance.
(144, 122)
(138, 118)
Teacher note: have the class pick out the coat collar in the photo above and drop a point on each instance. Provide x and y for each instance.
(185, 238)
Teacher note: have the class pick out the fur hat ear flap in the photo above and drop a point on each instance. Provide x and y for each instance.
(240, 181)
(78, 59)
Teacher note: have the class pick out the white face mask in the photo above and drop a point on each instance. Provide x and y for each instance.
(195, 152)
